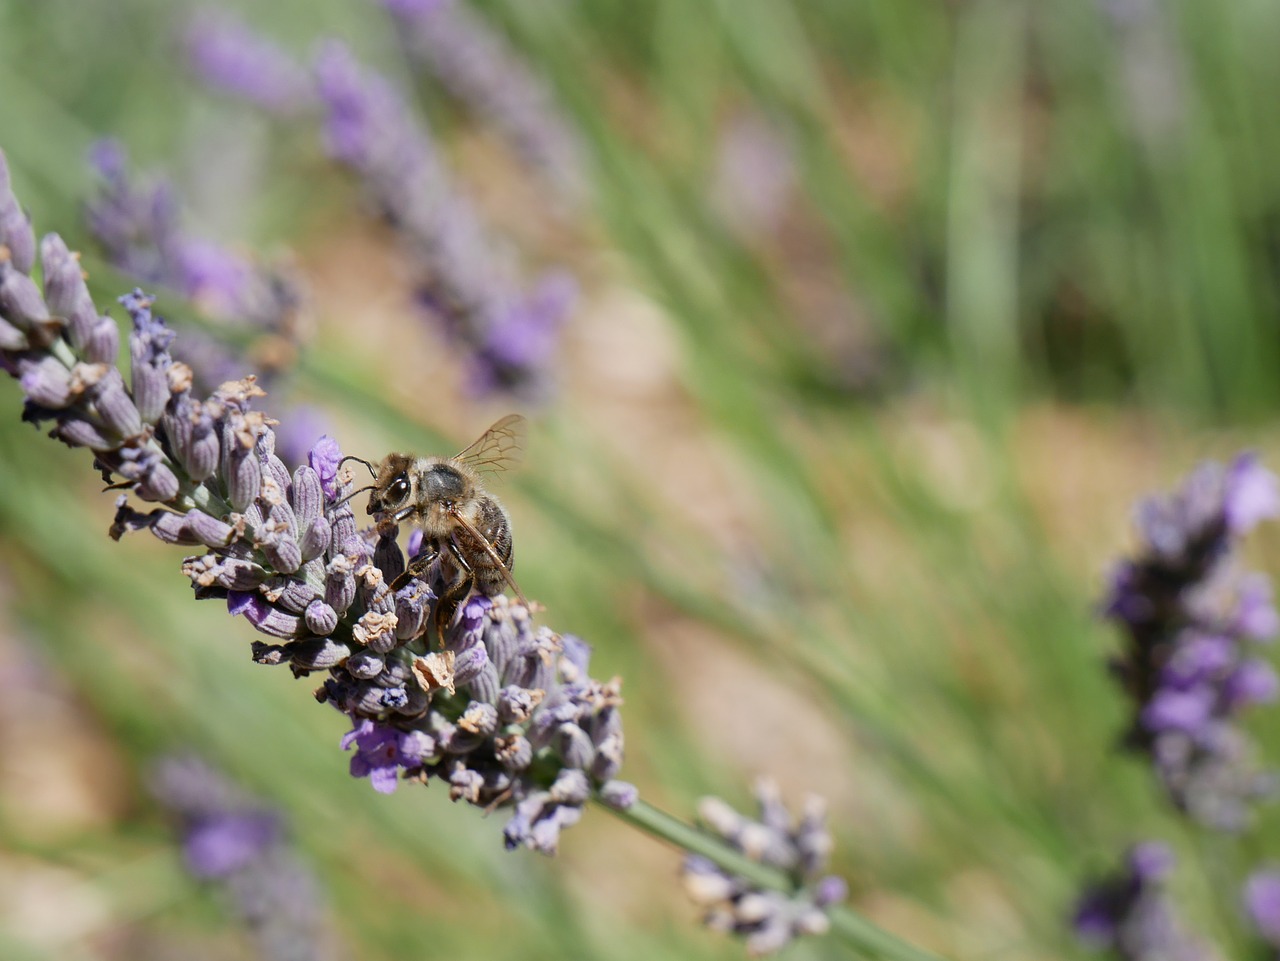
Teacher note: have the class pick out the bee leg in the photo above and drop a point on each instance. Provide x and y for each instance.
(447, 605)
(417, 568)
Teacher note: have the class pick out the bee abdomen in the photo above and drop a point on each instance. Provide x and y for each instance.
(495, 526)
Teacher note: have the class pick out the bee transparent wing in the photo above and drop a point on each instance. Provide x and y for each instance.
(499, 448)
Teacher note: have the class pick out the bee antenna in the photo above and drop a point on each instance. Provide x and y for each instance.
(353, 494)
(359, 460)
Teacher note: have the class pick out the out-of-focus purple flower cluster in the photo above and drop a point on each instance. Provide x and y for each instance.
(138, 226)
(230, 839)
(766, 920)
(1130, 915)
(463, 279)
(479, 67)
(1191, 616)
(506, 714)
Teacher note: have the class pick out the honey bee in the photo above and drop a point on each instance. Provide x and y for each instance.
(464, 526)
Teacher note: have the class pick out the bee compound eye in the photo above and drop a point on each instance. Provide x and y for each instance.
(400, 487)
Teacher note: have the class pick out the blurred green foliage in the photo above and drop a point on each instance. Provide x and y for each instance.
(1025, 269)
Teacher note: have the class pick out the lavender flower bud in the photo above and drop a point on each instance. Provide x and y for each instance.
(240, 470)
(75, 432)
(376, 631)
(11, 338)
(412, 602)
(114, 405)
(340, 583)
(515, 753)
(17, 240)
(574, 746)
(469, 665)
(307, 497)
(103, 343)
(264, 616)
(276, 539)
(45, 381)
(66, 293)
(315, 537)
(365, 665)
(21, 303)
(484, 685)
(149, 350)
(516, 704)
(321, 618)
(388, 558)
(622, 795)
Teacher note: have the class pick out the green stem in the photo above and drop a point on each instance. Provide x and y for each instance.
(853, 928)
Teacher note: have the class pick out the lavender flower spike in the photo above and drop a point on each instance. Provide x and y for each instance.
(505, 713)
(1191, 617)
(766, 920)
(1130, 916)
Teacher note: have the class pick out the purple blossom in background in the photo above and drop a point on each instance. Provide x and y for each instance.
(755, 174)
(1191, 619)
(231, 839)
(137, 224)
(229, 56)
(505, 713)
(1262, 905)
(480, 68)
(766, 920)
(1130, 915)
(465, 281)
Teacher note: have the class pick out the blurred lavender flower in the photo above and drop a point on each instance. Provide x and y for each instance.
(767, 920)
(229, 838)
(1262, 904)
(465, 281)
(480, 68)
(228, 55)
(506, 714)
(755, 174)
(137, 224)
(1130, 915)
(1191, 616)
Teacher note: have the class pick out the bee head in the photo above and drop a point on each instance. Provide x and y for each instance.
(393, 488)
